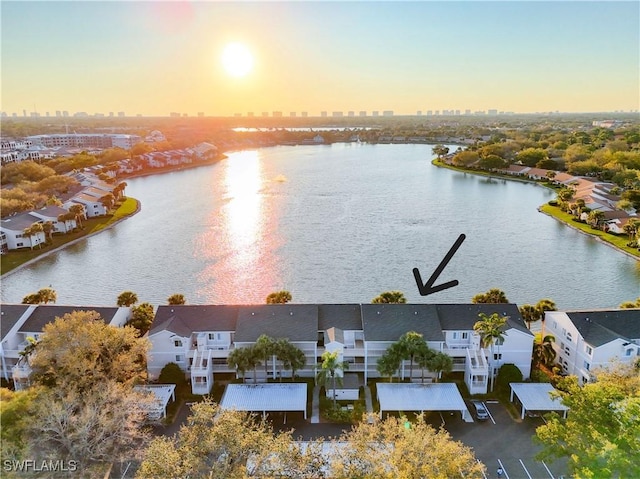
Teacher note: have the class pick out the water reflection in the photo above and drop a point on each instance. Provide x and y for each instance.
(241, 215)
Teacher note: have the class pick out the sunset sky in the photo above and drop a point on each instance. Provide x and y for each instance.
(153, 58)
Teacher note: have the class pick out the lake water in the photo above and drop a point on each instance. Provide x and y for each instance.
(333, 224)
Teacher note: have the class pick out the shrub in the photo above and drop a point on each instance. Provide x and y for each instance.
(508, 373)
(172, 374)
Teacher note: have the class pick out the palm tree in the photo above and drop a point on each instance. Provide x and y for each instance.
(240, 359)
(424, 359)
(330, 367)
(412, 344)
(595, 218)
(279, 297)
(176, 299)
(494, 295)
(47, 295)
(47, 227)
(265, 349)
(78, 211)
(440, 150)
(490, 330)
(290, 356)
(390, 297)
(530, 314)
(127, 298)
(440, 363)
(543, 352)
(107, 201)
(34, 230)
(389, 363)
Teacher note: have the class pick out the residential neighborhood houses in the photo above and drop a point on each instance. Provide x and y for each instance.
(200, 338)
(92, 194)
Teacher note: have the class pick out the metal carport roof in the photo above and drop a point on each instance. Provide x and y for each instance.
(537, 397)
(266, 397)
(421, 397)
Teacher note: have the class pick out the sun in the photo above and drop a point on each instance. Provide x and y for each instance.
(237, 60)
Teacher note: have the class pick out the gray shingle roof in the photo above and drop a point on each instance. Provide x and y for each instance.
(9, 316)
(347, 317)
(45, 314)
(296, 322)
(186, 319)
(387, 322)
(456, 317)
(20, 222)
(600, 327)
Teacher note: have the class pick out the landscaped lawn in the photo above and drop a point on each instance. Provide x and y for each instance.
(13, 259)
(615, 240)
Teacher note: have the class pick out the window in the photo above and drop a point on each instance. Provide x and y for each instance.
(561, 346)
(465, 335)
(177, 343)
(19, 244)
(555, 324)
(569, 337)
(179, 358)
(587, 365)
(588, 349)
(497, 357)
(628, 352)
(499, 341)
(585, 380)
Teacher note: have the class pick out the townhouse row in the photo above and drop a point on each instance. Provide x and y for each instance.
(199, 338)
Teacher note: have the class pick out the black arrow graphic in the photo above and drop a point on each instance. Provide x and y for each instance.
(428, 288)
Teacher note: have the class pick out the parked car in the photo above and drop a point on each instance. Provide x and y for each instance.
(481, 412)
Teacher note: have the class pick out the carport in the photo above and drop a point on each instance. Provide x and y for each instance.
(266, 397)
(421, 397)
(162, 394)
(537, 397)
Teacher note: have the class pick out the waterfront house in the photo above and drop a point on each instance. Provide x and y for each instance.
(92, 206)
(13, 228)
(200, 338)
(52, 213)
(586, 340)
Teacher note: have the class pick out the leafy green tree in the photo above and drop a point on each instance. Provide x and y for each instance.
(290, 356)
(385, 449)
(93, 427)
(80, 350)
(24, 171)
(531, 156)
(601, 435)
(595, 218)
(176, 299)
(329, 371)
(141, 318)
(465, 158)
(492, 162)
(220, 444)
(279, 297)
(392, 297)
(127, 298)
(440, 150)
(494, 295)
(14, 413)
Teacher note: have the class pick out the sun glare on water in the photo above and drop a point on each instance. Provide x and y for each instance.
(237, 60)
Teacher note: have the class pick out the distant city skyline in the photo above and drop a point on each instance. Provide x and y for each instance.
(155, 58)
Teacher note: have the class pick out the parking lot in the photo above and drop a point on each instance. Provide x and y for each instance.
(500, 441)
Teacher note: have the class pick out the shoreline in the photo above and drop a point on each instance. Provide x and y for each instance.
(75, 241)
(439, 164)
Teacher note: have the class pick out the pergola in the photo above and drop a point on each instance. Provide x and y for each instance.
(421, 397)
(537, 397)
(266, 397)
(162, 394)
